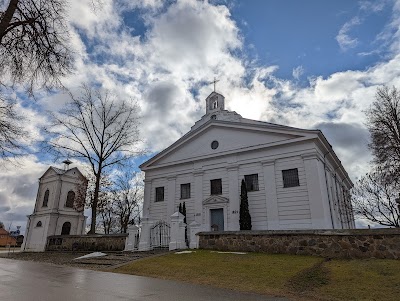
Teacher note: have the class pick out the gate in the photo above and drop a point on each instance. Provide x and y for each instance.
(159, 235)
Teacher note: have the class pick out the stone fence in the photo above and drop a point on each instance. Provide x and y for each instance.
(360, 243)
(96, 242)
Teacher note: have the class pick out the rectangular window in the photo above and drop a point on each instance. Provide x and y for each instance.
(290, 178)
(251, 182)
(185, 191)
(216, 186)
(159, 194)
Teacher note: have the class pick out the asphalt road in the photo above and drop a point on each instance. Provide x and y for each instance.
(24, 280)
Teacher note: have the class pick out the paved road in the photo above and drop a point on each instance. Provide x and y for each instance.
(24, 280)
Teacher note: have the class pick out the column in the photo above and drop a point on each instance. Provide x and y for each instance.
(177, 232)
(317, 191)
(144, 244)
(234, 199)
(271, 198)
(198, 196)
(130, 241)
(194, 228)
(171, 197)
(79, 225)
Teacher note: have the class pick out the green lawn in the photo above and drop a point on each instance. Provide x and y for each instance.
(298, 277)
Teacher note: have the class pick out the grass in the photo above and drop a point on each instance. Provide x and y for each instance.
(304, 277)
(368, 279)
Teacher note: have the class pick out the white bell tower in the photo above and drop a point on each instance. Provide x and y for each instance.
(58, 209)
(215, 102)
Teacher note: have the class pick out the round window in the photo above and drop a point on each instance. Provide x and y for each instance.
(214, 144)
(213, 117)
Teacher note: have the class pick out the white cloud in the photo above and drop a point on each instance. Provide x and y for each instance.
(343, 38)
(373, 6)
(298, 72)
(185, 46)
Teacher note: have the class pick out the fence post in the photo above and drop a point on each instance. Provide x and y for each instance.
(144, 244)
(130, 241)
(177, 232)
(194, 228)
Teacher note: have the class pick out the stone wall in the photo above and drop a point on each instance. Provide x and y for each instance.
(362, 243)
(97, 242)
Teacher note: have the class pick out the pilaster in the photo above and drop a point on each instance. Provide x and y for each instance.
(317, 191)
(147, 196)
(198, 196)
(271, 198)
(234, 200)
(171, 197)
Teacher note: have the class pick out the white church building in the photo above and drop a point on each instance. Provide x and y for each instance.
(293, 177)
(55, 212)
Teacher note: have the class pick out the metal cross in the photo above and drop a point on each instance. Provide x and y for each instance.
(214, 82)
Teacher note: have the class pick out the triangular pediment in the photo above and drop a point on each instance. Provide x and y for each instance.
(74, 172)
(215, 199)
(50, 172)
(54, 171)
(217, 138)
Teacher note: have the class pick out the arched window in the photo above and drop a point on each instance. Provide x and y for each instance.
(46, 198)
(39, 224)
(70, 199)
(66, 228)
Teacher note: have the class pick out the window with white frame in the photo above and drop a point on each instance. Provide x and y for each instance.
(251, 182)
(185, 191)
(216, 186)
(159, 194)
(290, 178)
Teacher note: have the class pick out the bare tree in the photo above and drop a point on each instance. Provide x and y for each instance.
(11, 131)
(383, 121)
(99, 129)
(107, 213)
(376, 198)
(34, 43)
(127, 199)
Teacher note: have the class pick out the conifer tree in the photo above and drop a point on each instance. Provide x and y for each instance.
(245, 218)
(184, 212)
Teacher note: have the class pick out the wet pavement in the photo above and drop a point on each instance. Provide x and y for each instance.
(23, 280)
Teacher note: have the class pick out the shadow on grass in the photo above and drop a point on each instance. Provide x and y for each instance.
(308, 280)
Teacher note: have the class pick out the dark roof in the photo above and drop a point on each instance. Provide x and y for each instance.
(58, 170)
(3, 231)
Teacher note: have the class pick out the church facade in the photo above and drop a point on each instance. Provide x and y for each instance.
(293, 177)
(55, 211)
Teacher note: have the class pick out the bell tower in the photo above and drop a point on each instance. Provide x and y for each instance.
(215, 102)
(58, 209)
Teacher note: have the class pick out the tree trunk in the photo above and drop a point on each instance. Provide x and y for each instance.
(94, 204)
(9, 13)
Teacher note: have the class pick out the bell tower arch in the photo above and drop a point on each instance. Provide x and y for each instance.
(215, 102)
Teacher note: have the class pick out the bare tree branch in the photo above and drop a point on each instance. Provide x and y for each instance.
(383, 121)
(11, 131)
(34, 48)
(99, 128)
(375, 198)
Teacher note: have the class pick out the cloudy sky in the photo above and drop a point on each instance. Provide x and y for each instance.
(308, 64)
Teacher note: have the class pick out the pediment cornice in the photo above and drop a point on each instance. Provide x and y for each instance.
(215, 199)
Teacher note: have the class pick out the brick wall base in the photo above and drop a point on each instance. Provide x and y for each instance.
(98, 242)
(361, 243)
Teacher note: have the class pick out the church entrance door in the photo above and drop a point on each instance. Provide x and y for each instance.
(217, 219)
